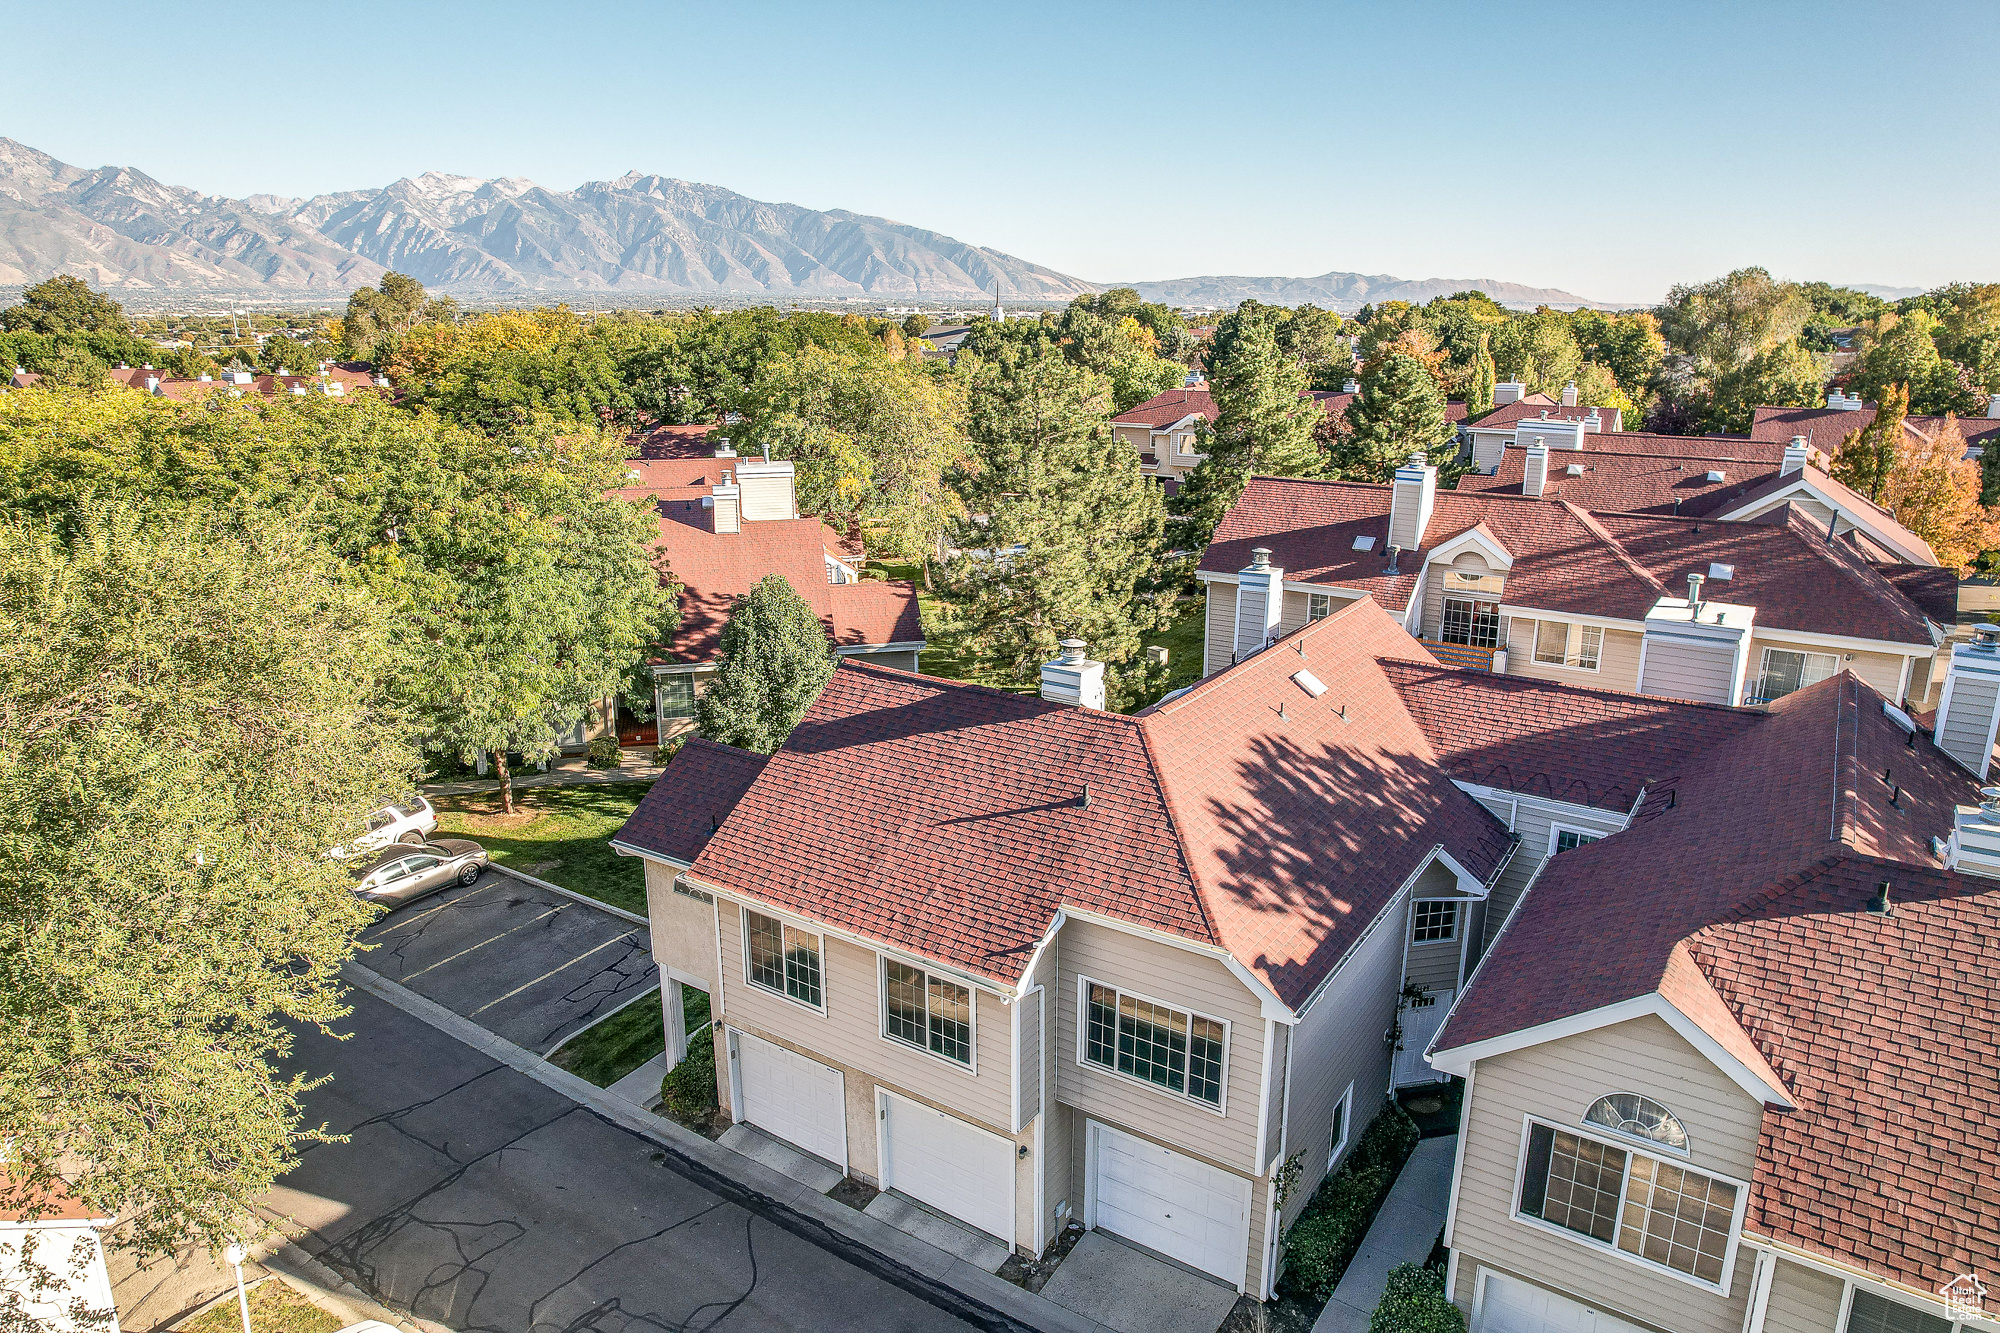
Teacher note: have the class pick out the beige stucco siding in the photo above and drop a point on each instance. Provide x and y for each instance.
(1803, 1300)
(1338, 1042)
(682, 928)
(1219, 628)
(1557, 1082)
(1617, 663)
(1167, 975)
(850, 1034)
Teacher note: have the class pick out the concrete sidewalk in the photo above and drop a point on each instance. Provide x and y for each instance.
(1402, 1233)
(568, 771)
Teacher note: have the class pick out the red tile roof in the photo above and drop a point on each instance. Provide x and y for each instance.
(1568, 560)
(1738, 893)
(1588, 747)
(688, 802)
(950, 820)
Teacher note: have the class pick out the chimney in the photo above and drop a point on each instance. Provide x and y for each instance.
(1509, 391)
(770, 490)
(1410, 506)
(723, 448)
(1969, 709)
(1569, 394)
(1535, 469)
(1993, 406)
(1073, 679)
(728, 502)
(1974, 848)
(1797, 454)
(1354, 386)
(1260, 600)
(153, 384)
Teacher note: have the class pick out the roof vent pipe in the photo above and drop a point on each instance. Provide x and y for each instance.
(1694, 596)
(1879, 904)
(1260, 557)
(1394, 551)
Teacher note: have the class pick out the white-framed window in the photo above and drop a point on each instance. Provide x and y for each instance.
(1562, 838)
(1434, 921)
(929, 1012)
(1783, 670)
(1343, 1113)
(1641, 1207)
(1638, 1117)
(1471, 622)
(1559, 643)
(783, 958)
(1869, 1313)
(677, 694)
(1462, 580)
(1176, 1050)
(1319, 606)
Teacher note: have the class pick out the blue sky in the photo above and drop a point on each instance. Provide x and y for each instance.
(1609, 148)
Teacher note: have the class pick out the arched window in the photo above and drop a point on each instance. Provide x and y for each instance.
(1638, 1117)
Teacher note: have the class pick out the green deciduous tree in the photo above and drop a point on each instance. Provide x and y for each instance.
(1904, 351)
(774, 658)
(1783, 375)
(1479, 394)
(1538, 350)
(915, 326)
(1263, 427)
(193, 708)
(1866, 457)
(63, 304)
(1399, 412)
(1727, 321)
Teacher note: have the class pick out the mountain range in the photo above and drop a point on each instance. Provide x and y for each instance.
(635, 236)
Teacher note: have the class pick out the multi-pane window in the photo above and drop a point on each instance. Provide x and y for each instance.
(1558, 643)
(677, 695)
(1639, 1117)
(1171, 1048)
(1568, 839)
(782, 957)
(1460, 580)
(1319, 606)
(1473, 623)
(1659, 1211)
(1434, 922)
(1783, 671)
(927, 1011)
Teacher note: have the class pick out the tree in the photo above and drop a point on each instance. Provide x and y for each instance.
(192, 710)
(773, 660)
(494, 372)
(1730, 320)
(1479, 396)
(916, 326)
(1904, 351)
(378, 317)
(1264, 426)
(1399, 412)
(870, 437)
(1933, 490)
(1539, 351)
(1783, 375)
(63, 304)
(1867, 456)
(1061, 488)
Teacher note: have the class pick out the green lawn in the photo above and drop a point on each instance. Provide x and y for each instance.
(617, 1046)
(1182, 640)
(274, 1308)
(560, 834)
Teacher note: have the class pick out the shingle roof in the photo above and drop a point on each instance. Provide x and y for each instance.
(1599, 748)
(671, 442)
(1537, 407)
(1885, 1031)
(1634, 482)
(1827, 427)
(1164, 409)
(1568, 560)
(950, 820)
(691, 799)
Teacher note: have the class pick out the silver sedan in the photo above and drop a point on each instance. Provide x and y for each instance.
(403, 874)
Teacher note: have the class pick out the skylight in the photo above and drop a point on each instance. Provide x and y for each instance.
(1364, 543)
(1722, 571)
(1308, 682)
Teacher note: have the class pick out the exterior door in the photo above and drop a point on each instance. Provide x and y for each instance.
(1421, 1020)
(940, 1160)
(1169, 1202)
(797, 1099)
(1509, 1305)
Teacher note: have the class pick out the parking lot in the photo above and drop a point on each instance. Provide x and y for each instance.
(524, 963)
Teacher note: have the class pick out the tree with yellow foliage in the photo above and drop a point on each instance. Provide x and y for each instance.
(1926, 481)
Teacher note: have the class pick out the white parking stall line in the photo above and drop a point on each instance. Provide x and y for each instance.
(483, 943)
(546, 975)
(459, 901)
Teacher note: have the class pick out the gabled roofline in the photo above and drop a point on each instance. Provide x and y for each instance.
(1477, 537)
(627, 849)
(1273, 1008)
(1460, 1059)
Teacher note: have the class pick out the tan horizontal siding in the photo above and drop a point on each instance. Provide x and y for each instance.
(1533, 819)
(1884, 671)
(1471, 562)
(1803, 1300)
(1219, 627)
(1617, 663)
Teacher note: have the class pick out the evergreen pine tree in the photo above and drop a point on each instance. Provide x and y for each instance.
(1263, 427)
(1072, 531)
(1867, 456)
(1398, 412)
(775, 659)
(1479, 397)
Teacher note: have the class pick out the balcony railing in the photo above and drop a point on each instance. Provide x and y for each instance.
(1461, 655)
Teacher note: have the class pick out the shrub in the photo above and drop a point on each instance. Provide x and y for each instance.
(602, 752)
(1324, 1238)
(1414, 1301)
(689, 1087)
(663, 754)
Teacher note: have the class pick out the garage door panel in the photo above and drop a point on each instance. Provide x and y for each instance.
(1509, 1305)
(959, 1169)
(796, 1098)
(1170, 1202)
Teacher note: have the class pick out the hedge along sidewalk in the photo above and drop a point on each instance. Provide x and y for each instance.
(1403, 1232)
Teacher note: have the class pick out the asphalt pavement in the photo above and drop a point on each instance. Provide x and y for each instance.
(523, 962)
(470, 1195)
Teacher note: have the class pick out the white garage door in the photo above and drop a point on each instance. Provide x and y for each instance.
(1508, 1305)
(799, 1100)
(1185, 1209)
(955, 1168)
